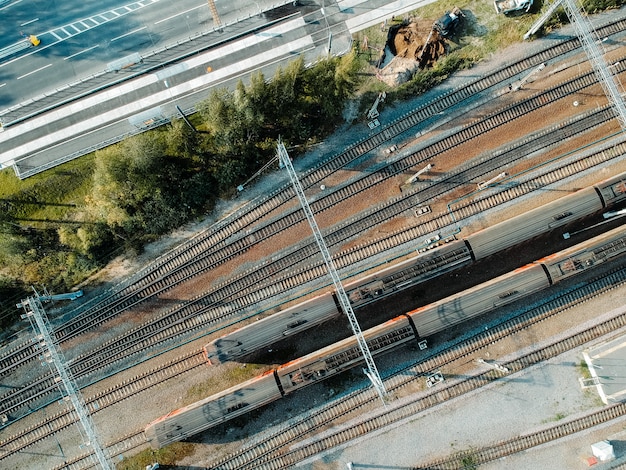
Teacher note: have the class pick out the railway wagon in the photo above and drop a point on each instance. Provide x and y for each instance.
(253, 337)
(422, 267)
(211, 411)
(535, 222)
(480, 299)
(585, 255)
(260, 334)
(343, 355)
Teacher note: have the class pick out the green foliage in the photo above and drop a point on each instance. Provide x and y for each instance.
(596, 6)
(145, 186)
(297, 104)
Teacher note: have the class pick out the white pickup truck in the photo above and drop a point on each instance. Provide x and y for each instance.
(509, 6)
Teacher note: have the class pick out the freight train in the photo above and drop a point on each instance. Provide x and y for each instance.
(410, 327)
(425, 266)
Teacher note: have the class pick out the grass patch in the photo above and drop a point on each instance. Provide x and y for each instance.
(169, 455)
(583, 369)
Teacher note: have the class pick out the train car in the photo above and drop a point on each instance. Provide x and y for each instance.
(264, 332)
(211, 411)
(586, 255)
(343, 355)
(478, 300)
(530, 224)
(427, 265)
(613, 190)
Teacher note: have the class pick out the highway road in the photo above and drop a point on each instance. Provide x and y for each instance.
(106, 114)
(80, 41)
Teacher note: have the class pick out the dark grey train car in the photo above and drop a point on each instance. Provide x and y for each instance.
(458, 308)
(585, 255)
(533, 223)
(270, 329)
(197, 417)
(343, 355)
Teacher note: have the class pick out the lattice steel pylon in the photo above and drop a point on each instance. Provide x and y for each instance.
(589, 41)
(372, 371)
(36, 314)
(216, 16)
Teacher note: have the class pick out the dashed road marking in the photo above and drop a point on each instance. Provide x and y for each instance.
(34, 71)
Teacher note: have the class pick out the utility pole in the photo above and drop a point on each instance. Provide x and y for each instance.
(590, 43)
(214, 14)
(371, 372)
(51, 354)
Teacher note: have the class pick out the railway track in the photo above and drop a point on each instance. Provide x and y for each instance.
(140, 383)
(329, 414)
(142, 285)
(202, 313)
(19, 357)
(146, 283)
(285, 446)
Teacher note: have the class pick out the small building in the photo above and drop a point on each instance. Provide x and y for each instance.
(603, 450)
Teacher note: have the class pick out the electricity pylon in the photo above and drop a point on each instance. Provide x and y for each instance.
(214, 14)
(589, 40)
(590, 44)
(51, 354)
(371, 372)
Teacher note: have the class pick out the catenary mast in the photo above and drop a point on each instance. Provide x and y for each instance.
(591, 44)
(51, 354)
(372, 371)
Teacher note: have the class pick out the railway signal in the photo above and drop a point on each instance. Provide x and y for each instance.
(372, 371)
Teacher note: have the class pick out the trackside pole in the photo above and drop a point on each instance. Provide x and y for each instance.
(372, 372)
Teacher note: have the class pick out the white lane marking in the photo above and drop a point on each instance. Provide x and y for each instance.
(34, 71)
(80, 52)
(129, 33)
(209, 79)
(29, 22)
(181, 13)
(2, 84)
(10, 5)
(55, 35)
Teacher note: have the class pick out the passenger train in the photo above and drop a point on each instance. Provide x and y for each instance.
(410, 327)
(425, 266)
